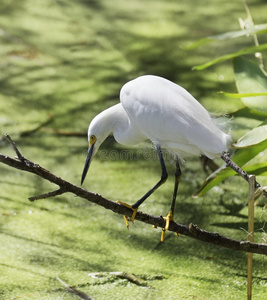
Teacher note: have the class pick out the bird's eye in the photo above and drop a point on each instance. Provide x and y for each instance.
(92, 140)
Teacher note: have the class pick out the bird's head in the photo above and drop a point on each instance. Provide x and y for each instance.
(98, 131)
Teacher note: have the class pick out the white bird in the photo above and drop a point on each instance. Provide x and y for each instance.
(156, 109)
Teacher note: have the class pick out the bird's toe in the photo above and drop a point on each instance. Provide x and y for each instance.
(128, 219)
(168, 219)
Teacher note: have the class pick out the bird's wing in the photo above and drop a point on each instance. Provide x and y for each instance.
(167, 113)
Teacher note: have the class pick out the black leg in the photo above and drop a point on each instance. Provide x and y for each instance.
(169, 217)
(164, 176)
(225, 156)
(178, 175)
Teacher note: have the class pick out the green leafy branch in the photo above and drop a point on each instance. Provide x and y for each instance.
(251, 83)
(249, 77)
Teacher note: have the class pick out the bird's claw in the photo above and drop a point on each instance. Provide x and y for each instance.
(167, 225)
(128, 219)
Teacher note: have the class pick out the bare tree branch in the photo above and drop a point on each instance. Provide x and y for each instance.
(48, 195)
(191, 231)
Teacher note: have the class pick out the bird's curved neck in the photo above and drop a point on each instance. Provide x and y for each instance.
(118, 123)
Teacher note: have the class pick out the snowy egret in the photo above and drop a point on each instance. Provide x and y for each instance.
(159, 110)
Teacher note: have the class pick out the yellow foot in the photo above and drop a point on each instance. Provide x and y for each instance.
(127, 219)
(168, 219)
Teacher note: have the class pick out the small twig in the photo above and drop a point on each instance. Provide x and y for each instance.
(48, 195)
(132, 278)
(225, 156)
(74, 291)
(33, 130)
(251, 199)
(38, 127)
(207, 163)
(62, 132)
(20, 157)
(244, 25)
(123, 275)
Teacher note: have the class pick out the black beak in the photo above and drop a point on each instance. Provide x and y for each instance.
(87, 162)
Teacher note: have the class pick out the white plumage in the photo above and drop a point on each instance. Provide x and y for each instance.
(154, 108)
(166, 113)
(157, 109)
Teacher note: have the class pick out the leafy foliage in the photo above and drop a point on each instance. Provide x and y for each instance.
(230, 35)
(251, 82)
(245, 51)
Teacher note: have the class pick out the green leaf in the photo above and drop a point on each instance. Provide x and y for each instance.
(241, 157)
(262, 28)
(253, 137)
(251, 79)
(259, 169)
(249, 50)
(214, 179)
(244, 95)
(244, 155)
